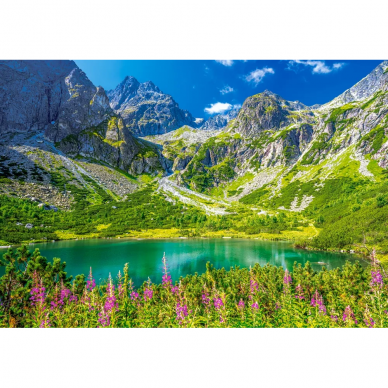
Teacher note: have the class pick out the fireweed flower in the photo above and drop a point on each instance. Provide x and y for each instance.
(45, 323)
(38, 295)
(181, 311)
(37, 292)
(55, 302)
(349, 315)
(166, 278)
(277, 306)
(377, 280)
(253, 286)
(91, 283)
(205, 297)
(73, 297)
(175, 289)
(369, 322)
(241, 304)
(110, 302)
(299, 292)
(148, 293)
(287, 280)
(134, 295)
(65, 293)
(255, 306)
(103, 318)
(317, 301)
(218, 303)
(121, 291)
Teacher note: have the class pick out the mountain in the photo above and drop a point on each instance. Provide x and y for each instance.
(52, 107)
(319, 172)
(219, 121)
(268, 111)
(146, 110)
(274, 142)
(374, 81)
(54, 122)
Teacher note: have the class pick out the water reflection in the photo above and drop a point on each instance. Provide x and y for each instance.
(184, 256)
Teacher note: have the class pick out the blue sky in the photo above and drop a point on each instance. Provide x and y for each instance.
(210, 87)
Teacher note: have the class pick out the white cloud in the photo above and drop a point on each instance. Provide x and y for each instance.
(318, 67)
(225, 62)
(257, 75)
(337, 66)
(218, 107)
(226, 89)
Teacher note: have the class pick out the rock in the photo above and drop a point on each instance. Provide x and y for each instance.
(374, 81)
(180, 163)
(266, 111)
(146, 110)
(29, 226)
(60, 101)
(219, 121)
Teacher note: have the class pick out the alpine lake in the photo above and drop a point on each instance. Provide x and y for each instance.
(184, 256)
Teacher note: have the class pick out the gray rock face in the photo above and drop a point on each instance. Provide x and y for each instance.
(57, 98)
(374, 81)
(268, 111)
(146, 110)
(219, 121)
(31, 93)
(84, 106)
(51, 96)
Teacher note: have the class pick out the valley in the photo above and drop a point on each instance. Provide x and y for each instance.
(77, 162)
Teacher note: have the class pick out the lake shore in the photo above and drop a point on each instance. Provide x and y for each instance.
(307, 233)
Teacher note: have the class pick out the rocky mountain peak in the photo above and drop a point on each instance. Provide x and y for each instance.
(123, 92)
(269, 111)
(146, 110)
(219, 121)
(374, 81)
(149, 86)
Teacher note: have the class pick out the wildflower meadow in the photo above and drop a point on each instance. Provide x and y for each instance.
(38, 293)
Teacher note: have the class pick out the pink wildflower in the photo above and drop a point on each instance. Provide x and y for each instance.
(91, 283)
(348, 315)
(181, 311)
(166, 278)
(317, 301)
(255, 306)
(218, 303)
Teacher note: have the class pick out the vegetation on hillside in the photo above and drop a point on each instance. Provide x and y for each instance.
(145, 209)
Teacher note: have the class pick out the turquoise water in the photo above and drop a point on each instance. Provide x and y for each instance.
(184, 256)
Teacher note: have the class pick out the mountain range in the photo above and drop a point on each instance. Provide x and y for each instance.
(62, 139)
